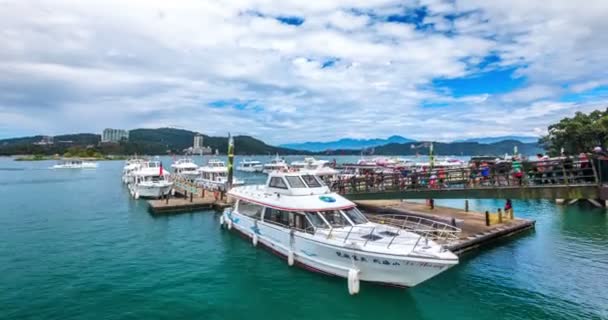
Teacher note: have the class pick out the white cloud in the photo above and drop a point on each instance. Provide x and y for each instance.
(73, 66)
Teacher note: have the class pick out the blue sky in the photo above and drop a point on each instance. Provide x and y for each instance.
(292, 71)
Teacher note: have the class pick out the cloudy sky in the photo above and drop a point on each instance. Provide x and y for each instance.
(290, 71)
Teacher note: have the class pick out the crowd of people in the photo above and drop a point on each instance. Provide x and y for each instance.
(516, 171)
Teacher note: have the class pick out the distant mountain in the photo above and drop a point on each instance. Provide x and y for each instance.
(488, 140)
(462, 148)
(345, 144)
(141, 141)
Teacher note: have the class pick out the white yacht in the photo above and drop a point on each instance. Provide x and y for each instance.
(276, 164)
(249, 165)
(150, 181)
(185, 168)
(214, 176)
(74, 164)
(321, 168)
(295, 215)
(131, 165)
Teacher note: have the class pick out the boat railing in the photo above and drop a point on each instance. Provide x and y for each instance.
(427, 229)
(395, 230)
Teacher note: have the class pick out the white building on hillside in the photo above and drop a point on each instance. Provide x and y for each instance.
(114, 135)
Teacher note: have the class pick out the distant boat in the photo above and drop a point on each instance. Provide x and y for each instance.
(276, 164)
(248, 165)
(74, 164)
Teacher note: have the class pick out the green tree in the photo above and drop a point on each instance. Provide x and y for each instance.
(580, 133)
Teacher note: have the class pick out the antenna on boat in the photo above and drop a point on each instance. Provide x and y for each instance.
(230, 161)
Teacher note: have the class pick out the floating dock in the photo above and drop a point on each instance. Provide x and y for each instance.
(475, 233)
(179, 205)
(189, 197)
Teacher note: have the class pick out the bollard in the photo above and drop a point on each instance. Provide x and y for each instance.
(487, 218)
(499, 215)
(191, 196)
(466, 205)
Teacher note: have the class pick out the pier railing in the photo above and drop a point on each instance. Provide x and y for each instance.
(565, 171)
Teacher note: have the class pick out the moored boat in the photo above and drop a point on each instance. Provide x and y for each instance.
(249, 165)
(214, 176)
(185, 168)
(276, 164)
(296, 216)
(150, 181)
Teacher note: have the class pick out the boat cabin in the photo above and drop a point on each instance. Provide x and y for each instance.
(302, 220)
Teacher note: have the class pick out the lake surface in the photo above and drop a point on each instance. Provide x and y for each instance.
(73, 245)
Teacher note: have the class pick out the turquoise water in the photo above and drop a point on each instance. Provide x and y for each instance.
(73, 245)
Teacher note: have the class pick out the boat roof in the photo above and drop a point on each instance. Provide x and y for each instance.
(296, 195)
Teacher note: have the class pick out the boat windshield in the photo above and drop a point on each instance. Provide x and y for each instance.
(311, 181)
(316, 220)
(335, 218)
(295, 182)
(355, 215)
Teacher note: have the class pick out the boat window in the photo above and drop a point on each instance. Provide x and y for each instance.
(335, 218)
(295, 182)
(277, 182)
(355, 215)
(280, 217)
(315, 219)
(302, 224)
(250, 209)
(311, 181)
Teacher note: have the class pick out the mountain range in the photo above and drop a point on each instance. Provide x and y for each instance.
(345, 144)
(358, 144)
(488, 140)
(169, 140)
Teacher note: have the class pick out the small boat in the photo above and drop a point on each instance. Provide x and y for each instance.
(248, 165)
(185, 168)
(150, 181)
(276, 164)
(214, 176)
(296, 216)
(74, 164)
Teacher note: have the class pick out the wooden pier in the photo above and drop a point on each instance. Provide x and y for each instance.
(189, 197)
(475, 231)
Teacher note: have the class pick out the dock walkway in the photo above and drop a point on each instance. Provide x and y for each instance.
(474, 233)
(189, 197)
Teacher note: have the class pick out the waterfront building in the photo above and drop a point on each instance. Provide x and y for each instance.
(198, 147)
(114, 135)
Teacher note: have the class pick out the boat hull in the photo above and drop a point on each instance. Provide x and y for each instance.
(396, 270)
(153, 192)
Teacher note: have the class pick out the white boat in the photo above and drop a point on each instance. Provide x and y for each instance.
(214, 176)
(131, 165)
(321, 168)
(276, 164)
(248, 165)
(150, 181)
(74, 164)
(296, 216)
(185, 168)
